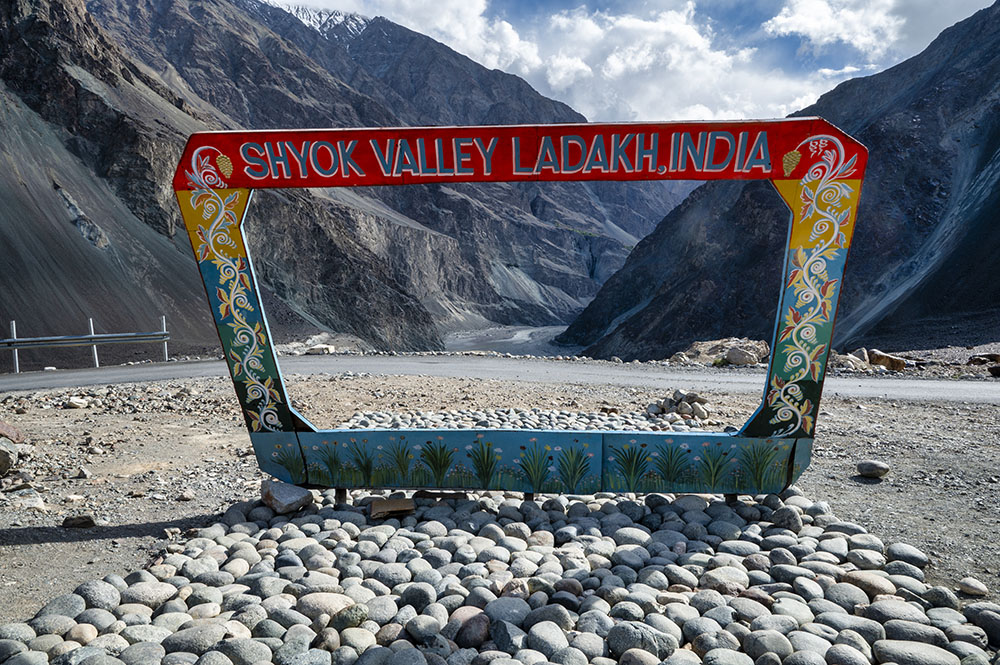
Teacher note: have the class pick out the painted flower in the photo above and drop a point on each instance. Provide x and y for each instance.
(697, 459)
(497, 450)
(557, 448)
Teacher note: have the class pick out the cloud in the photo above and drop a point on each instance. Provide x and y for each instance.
(461, 24)
(870, 26)
(665, 60)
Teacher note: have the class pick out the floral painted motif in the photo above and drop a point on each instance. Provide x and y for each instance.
(826, 208)
(243, 325)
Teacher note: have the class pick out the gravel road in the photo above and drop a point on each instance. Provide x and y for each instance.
(536, 370)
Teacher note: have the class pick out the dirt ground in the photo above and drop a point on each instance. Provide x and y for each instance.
(153, 460)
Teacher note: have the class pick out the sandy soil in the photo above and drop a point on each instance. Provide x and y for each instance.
(164, 457)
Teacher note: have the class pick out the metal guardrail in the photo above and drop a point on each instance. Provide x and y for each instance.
(92, 340)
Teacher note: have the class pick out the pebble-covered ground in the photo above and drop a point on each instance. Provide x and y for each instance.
(480, 578)
(489, 579)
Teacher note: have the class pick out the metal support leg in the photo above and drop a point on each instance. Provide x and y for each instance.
(529, 496)
(731, 499)
(163, 327)
(13, 335)
(93, 349)
(340, 495)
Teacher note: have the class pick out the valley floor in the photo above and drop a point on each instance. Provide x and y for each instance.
(149, 461)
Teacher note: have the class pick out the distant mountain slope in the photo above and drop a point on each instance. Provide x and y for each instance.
(122, 83)
(110, 89)
(927, 234)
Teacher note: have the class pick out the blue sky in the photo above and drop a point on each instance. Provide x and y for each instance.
(624, 60)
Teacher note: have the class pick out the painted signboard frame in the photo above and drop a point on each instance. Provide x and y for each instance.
(815, 168)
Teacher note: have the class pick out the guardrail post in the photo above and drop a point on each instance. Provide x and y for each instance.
(93, 349)
(13, 335)
(163, 327)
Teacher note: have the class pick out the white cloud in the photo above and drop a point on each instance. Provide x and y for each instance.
(868, 25)
(662, 60)
(461, 24)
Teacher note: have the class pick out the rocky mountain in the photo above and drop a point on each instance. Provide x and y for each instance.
(921, 271)
(99, 97)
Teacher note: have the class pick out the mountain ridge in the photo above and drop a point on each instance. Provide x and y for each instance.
(118, 85)
(925, 225)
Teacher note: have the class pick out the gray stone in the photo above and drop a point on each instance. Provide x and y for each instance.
(513, 610)
(284, 498)
(760, 642)
(632, 635)
(406, 657)
(244, 651)
(726, 657)
(638, 657)
(419, 595)
(907, 553)
(99, 594)
(473, 632)
(360, 639)
(196, 640)
(843, 654)
(142, 653)
(912, 653)
(422, 628)
(804, 658)
(349, 617)
(69, 605)
(29, 658)
(872, 468)
(213, 658)
(150, 594)
(546, 637)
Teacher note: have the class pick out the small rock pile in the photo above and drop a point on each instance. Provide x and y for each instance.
(737, 351)
(682, 412)
(495, 580)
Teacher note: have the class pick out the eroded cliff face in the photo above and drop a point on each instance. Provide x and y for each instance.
(927, 224)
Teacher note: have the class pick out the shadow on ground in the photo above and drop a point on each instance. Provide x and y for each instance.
(33, 535)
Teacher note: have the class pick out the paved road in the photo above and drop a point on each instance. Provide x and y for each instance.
(982, 392)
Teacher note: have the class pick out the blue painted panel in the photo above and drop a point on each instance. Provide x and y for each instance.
(694, 462)
(515, 460)
(278, 454)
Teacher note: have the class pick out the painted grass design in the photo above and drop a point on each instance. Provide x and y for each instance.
(329, 458)
(713, 464)
(288, 457)
(573, 466)
(633, 463)
(437, 456)
(758, 463)
(534, 463)
(669, 462)
(400, 458)
(363, 460)
(484, 461)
